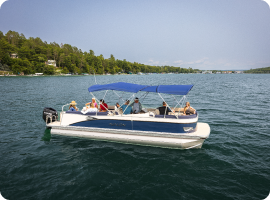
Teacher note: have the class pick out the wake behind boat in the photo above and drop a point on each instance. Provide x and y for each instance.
(148, 127)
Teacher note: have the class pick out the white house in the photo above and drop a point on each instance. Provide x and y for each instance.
(238, 72)
(51, 62)
(14, 55)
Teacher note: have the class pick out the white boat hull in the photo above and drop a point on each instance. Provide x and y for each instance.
(166, 140)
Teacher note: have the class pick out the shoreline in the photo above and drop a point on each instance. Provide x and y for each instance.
(107, 75)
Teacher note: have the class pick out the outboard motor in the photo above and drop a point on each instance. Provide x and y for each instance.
(50, 115)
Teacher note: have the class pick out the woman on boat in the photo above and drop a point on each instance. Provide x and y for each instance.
(72, 106)
(103, 107)
(188, 110)
(94, 102)
(92, 108)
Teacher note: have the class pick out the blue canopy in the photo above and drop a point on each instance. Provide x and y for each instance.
(120, 86)
(169, 89)
(130, 87)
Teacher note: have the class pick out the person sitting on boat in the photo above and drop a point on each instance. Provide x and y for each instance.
(103, 106)
(94, 102)
(72, 106)
(136, 106)
(164, 109)
(91, 109)
(126, 108)
(188, 110)
(117, 106)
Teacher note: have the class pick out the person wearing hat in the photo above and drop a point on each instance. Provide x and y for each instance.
(72, 106)
(136, 106)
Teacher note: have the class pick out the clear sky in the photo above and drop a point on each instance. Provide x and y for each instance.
(201, 34)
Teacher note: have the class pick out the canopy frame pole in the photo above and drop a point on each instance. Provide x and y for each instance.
(166, 105)
(165, 111)
(184, 98)
(99, 103)
(125, 102)
(128, 105)
(119, 96)
(175, 101)
(144, 96)
(117, 109)
(103, 100)
(105, 94)
(178, 102)
(119, 102)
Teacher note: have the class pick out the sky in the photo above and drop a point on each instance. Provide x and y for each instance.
(201, 34)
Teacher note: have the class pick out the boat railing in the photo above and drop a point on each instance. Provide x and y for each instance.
(64, 106)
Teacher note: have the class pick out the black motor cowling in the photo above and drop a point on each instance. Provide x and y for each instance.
(51, 114)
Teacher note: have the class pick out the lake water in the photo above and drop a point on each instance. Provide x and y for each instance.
(233, 163)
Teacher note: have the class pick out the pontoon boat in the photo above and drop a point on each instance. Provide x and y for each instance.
(174, 130)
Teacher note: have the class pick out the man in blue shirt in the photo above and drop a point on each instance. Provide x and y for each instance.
(126, 108)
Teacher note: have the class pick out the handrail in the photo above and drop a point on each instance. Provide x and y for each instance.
(64, 106)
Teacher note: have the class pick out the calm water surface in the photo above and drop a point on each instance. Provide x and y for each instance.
(233, 163)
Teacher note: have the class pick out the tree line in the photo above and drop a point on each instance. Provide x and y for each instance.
(33, 53)
(264, 70)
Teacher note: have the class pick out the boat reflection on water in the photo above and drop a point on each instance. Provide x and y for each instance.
(47, 135)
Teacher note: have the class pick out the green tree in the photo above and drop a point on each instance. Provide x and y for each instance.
(65, 70)
(61, 58)
(99, 65)
(112, 64)
(49, 70)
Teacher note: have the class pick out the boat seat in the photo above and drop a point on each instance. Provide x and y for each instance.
(177, 109)
(151, 109)
(156, 111)
(89, 113)
(179, 117)
(110, 107)
(166, 116)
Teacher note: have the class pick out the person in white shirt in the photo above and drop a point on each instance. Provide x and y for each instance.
(92, 108)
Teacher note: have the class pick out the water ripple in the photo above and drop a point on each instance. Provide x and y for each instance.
(233, 163)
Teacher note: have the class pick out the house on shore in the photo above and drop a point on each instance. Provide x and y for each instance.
(14, 55)
(207, 72)
(51, 62)
(238, 72)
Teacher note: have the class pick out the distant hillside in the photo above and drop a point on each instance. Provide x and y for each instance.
(265, 70)
(18, 54)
